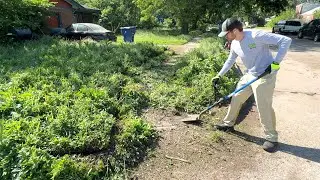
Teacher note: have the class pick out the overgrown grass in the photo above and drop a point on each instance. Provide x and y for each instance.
(72, 110)
(216, 137)
(187, 85)
(161, 37)
(62, 101)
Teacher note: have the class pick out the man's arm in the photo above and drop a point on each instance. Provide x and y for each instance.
(283, 43)
(229, 63)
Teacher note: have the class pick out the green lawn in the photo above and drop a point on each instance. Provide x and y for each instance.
(164, 37)
(264, 28)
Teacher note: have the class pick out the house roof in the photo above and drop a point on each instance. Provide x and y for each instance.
(311, 11)
(81, 8)
(308, 8)
(74, 4)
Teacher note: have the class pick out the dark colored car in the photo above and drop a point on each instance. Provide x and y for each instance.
(78, 31)
(311, 30)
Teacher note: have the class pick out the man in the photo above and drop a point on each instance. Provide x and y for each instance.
(253, 49)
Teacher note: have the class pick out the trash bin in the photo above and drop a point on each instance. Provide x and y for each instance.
(21, 33)
(128, 33)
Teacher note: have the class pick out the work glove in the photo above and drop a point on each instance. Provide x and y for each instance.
(215, 80)
(273, 67)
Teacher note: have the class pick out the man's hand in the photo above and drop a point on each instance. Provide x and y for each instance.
(215, 80)
(273, 67)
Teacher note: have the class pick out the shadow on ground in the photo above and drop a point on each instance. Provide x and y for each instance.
(307, 153)
(311, 154)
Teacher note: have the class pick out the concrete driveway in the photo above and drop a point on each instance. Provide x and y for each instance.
(297, 106)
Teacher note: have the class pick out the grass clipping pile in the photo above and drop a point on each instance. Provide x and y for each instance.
(72, 110)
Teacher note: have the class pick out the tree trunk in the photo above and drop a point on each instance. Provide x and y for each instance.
(184, 27)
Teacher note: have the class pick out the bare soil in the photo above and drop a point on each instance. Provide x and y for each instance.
(196, 151)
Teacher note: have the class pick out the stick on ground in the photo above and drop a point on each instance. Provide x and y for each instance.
(179, 159)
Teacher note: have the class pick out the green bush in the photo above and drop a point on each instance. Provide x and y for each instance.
(71, 110)
(59, 99)
(134, 140)
(66, 168)
(22, 13)
(189, 87)
(195, 33)
(316, 14)
(169, 23)
(285, 15)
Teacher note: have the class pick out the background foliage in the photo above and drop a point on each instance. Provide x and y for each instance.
(285, 15)
(22, 13)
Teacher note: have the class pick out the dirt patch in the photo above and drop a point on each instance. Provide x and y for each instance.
(196, 151)
(182, 49)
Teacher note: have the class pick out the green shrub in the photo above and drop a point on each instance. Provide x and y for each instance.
(134, 139)
(195, 33)
(22, 13)
(60, 99)
(316, 14)
(189, 87)
(285, 15)
(66, 168)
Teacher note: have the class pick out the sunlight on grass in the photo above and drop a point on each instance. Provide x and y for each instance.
(158, 37)
(216, 136)
(263, 28)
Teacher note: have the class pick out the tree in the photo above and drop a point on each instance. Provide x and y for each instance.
(115, 13)
(185, 11)
(149, 11)
(22, 13)
(190, 13)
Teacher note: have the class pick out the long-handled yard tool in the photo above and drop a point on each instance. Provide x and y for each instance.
(194, 118)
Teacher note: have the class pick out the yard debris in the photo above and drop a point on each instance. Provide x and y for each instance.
(179, 159)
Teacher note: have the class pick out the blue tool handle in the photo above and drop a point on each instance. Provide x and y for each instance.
(241, 88)
(246, 85)
(236, 91)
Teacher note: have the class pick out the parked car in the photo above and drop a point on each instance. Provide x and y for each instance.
(78, 31)
(311, 30)
(288, 26)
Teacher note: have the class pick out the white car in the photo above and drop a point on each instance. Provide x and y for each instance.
(288, 26)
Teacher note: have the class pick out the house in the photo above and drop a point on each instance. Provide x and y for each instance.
(305, 11)
(66, 12)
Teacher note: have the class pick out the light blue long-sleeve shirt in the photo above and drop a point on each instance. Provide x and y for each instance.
(254, 51)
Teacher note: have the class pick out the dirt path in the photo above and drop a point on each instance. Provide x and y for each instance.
(182, 49)
(196, 152)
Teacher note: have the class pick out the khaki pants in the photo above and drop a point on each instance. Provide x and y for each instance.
(263, 90)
